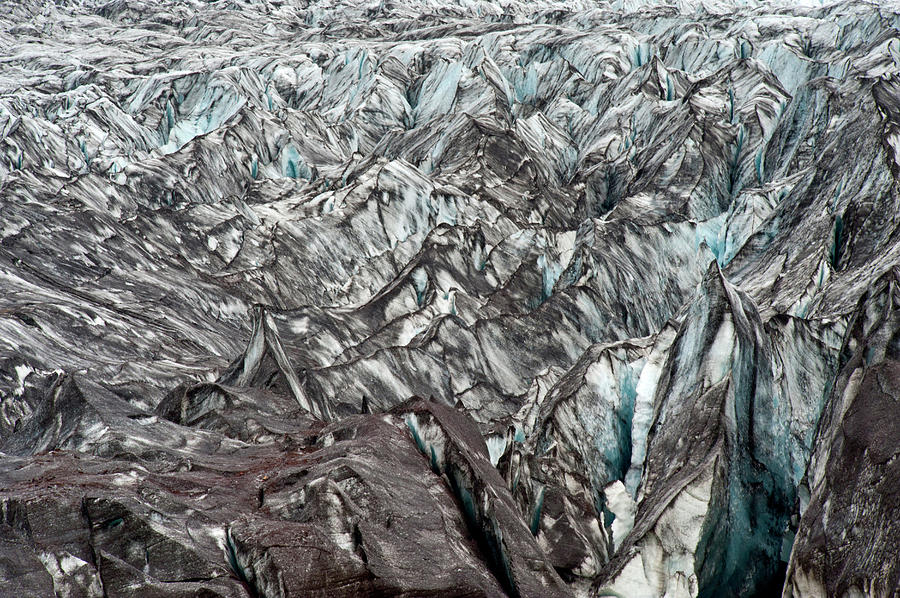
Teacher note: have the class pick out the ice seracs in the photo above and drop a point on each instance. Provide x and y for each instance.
(448, 298)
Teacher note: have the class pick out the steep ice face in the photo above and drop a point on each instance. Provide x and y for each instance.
(722, 428)
(666, 563)
(622, 507)
(644, 406)
(587, 417)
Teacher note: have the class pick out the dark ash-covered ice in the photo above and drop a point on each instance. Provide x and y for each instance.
(460, 298)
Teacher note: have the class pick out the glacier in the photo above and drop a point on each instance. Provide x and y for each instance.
(461, 298)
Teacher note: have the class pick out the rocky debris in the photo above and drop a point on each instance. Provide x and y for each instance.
(456, 451)
(853, 483)
(362, 514)
(351, 508)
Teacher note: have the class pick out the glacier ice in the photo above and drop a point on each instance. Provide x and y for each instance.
(524, 298)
